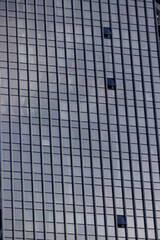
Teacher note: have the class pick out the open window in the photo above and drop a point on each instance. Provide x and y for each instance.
(107, 32)
(111, 83)
(121, 221)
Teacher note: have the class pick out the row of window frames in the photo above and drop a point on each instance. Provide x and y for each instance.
(121, 222)
(107, 33)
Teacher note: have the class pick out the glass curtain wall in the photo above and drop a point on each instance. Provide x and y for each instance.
(80, 120)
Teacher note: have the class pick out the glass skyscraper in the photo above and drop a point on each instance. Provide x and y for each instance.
(80, 119)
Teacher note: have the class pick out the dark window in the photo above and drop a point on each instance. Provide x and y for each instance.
(111, 83)
(121, 221)
(107, 32)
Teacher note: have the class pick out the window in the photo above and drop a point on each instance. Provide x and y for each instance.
(107, 32)
(121, 221)
(111, 83)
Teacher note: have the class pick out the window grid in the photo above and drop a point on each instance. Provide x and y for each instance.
(75, 154)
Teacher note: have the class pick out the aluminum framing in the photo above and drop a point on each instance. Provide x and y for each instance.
(75, 154)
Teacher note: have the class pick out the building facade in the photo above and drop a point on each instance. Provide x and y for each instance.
(80, 120)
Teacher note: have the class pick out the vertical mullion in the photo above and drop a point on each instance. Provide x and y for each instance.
(158, 38)
(59, 109)
(7, 64)
(70, 125)
(80, 127)
(146, 120)
(118, 126)
(108, 119)
(152, 80)
(79, 122)
(50, 121)
(146, 114)
(89, 127)
(30, 122)
(137, 124)
(20, 122)
(127, 119)
(10, 121)
(99, 125)
(40, 121)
